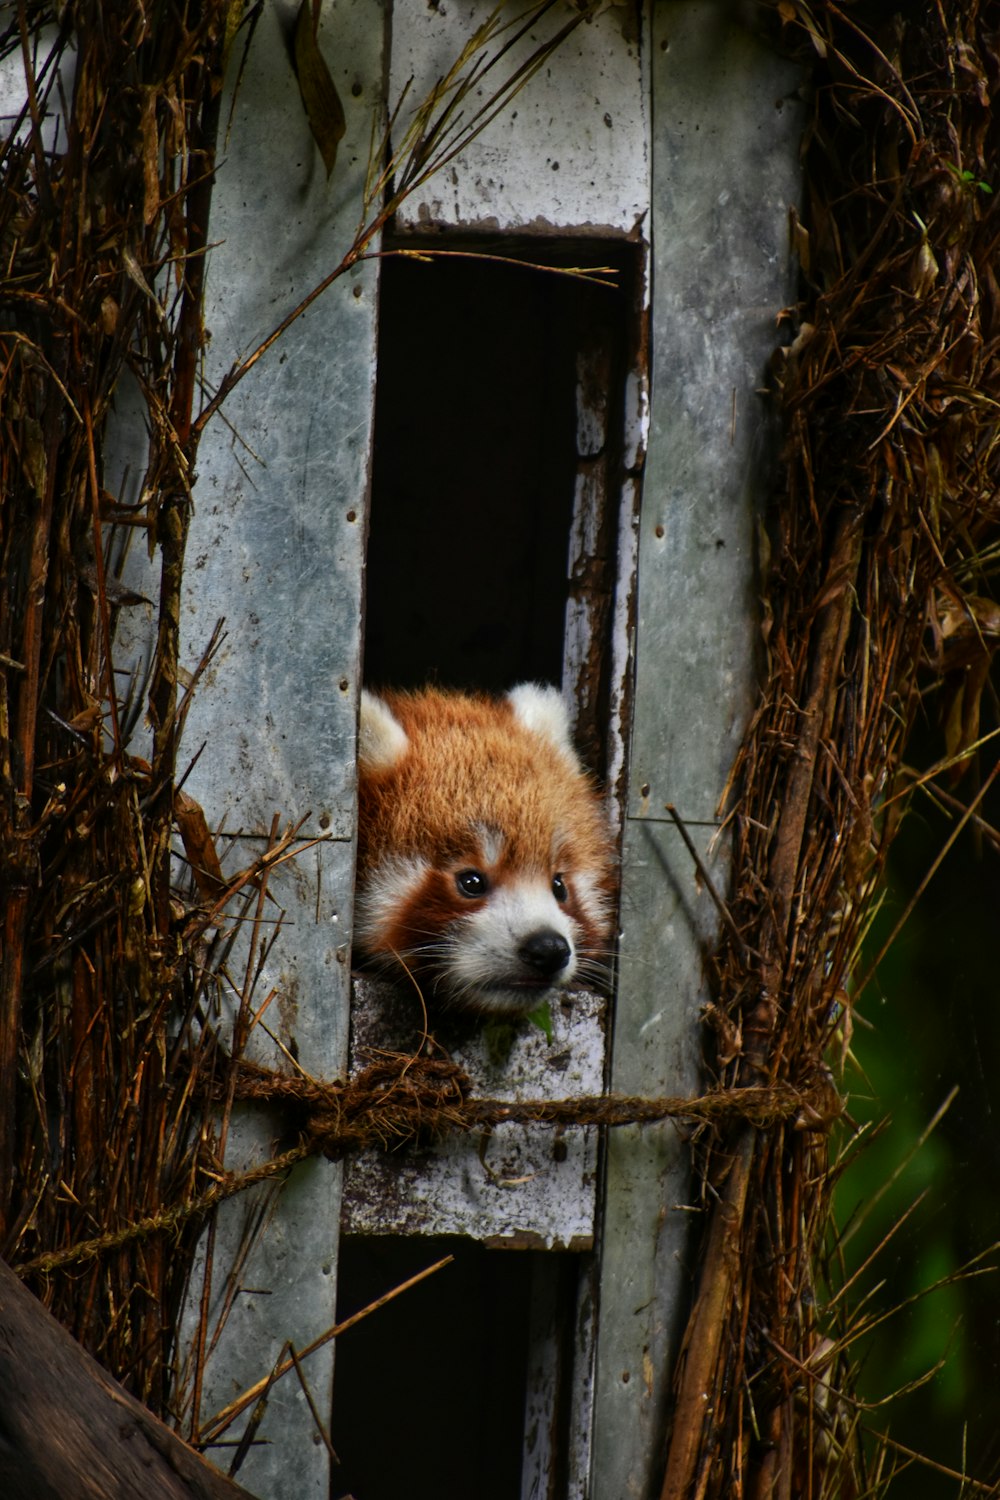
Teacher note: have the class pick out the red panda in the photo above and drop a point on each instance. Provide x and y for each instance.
(484, 856)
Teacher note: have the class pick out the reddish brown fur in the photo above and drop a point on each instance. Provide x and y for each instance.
(429, 911)
(472, 762)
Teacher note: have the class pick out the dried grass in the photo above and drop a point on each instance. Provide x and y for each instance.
(94, 1129)
(878, 551)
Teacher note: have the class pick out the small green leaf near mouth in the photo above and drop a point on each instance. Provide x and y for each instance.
(542, 1018)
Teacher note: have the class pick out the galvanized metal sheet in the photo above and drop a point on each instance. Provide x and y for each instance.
(276, 549)
(724, 172)
(724, 176)
(568, 154)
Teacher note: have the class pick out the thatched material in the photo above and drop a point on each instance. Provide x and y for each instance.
(889, 390)
(92, 1130)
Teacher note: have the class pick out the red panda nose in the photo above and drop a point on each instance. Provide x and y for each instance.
(546, 952)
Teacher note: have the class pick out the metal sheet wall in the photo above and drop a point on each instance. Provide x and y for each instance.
(725, 134)
(276, 548)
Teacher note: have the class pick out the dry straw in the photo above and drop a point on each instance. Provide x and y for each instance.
(875, 555)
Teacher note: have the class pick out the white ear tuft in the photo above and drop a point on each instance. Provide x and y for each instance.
(382, 741)
(543, 711)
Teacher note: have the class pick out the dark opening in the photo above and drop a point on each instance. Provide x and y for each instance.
(484, 458)
(477, 466)
(429, 1397)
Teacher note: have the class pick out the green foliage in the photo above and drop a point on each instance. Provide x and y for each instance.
(542, 1018)
(934, 1029)
(968, 179)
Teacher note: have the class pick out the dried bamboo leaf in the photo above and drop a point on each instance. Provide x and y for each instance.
(323, 108)
(199, 846)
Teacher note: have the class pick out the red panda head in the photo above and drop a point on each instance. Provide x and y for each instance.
(484, 863)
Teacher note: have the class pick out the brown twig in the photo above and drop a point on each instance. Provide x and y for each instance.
(222, 1419)
(886, 501)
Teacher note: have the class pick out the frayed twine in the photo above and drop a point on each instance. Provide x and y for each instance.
(403, 1100)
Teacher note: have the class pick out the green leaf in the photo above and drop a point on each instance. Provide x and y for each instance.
(324, 110)
(542, 1018)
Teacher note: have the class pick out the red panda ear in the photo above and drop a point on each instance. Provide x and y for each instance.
(382, 740)
(543, 711)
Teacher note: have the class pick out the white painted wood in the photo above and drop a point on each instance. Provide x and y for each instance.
(276, 548)
(528, 1187)
(595, 494)
(569, 154)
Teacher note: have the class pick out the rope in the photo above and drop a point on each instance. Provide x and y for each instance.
(400, 1100)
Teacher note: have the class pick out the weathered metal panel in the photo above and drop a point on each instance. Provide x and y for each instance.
(725, 142)
(725, 173)
(569, 154)
(276, 548)
(517, 1187)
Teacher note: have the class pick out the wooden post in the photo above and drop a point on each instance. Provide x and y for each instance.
(70, 1432)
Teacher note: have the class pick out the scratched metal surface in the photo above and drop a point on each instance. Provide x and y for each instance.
(569, 154)
(276, 549)
(725, 141)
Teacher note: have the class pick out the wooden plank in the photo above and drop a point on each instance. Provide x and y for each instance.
(70, 1432)
(724, 172)
(517, 1188)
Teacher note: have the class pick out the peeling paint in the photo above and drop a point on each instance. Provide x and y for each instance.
(550, 162)
(518, 1187)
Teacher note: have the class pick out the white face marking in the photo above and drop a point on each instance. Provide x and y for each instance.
(491, 843)
(476, 960)
(482, 964)
(592, 900)
(385, 892)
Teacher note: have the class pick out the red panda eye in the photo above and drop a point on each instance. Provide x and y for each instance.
(472, 883)
(559, 888)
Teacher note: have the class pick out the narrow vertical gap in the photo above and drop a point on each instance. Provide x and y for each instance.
(473, 477)
(429, 1393)
(489, 485)
(492, 555)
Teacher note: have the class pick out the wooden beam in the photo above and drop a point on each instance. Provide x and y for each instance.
(70, 1432)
